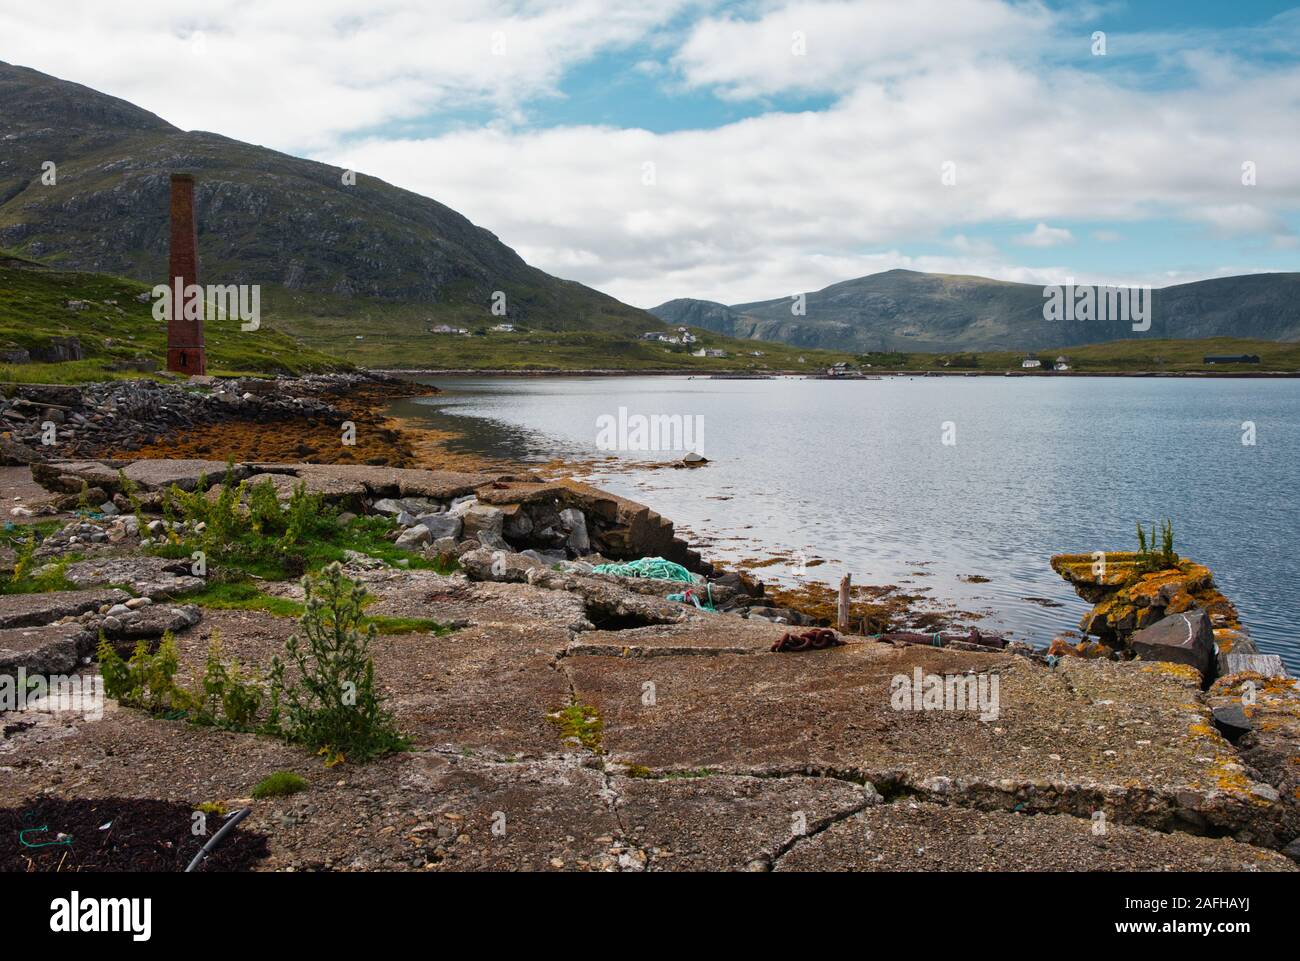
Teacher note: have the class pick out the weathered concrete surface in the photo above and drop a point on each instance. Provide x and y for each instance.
(727, 823)
(146, 474)
(53, 649)
(711, 751)
(333, 489)
(388, 481)
(918, 836)
(481, 688)
(1271, 750)
(704, 635)
(1130, 739)
(27, 610)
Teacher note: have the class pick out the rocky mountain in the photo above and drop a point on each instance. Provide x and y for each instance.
(911, 311)
(266, 218)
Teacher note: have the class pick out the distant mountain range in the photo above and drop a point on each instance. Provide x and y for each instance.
(907, 310)
(264, 218)
(337, 261)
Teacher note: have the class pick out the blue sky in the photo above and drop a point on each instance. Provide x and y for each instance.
(755, 148)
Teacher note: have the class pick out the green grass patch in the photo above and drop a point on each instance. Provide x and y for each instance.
(241, 596)
(117, 331)
(279, 784)
(1118, 357)
(247, 596)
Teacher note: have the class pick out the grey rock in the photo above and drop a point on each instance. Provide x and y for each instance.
(54, 649)
(479, 520)
(442, 525)
(1270, 665)
(413, 538)
(1184, 638)
(1232, 722)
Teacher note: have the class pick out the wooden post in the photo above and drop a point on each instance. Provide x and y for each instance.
(843, 619)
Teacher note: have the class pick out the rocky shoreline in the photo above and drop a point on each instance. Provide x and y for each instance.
(204, 416)
(715, 734)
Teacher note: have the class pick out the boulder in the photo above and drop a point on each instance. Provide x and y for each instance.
(441, 525)
(490, 565)
(413, 538)
(1268, 665)
(1185, 638)
(485, 525)
(15, 454)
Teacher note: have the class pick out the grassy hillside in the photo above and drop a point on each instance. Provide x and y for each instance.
(375, 335)
(1120, 356)
(118, 330)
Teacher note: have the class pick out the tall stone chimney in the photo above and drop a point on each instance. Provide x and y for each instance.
(185, 353)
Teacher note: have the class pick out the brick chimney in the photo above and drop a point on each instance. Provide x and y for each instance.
(185, 353)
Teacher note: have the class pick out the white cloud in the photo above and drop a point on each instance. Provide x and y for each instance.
(1045, 236)
(792, 201)
(836, 46)
(298, 76)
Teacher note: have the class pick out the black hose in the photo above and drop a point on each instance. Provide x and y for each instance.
(219, 837)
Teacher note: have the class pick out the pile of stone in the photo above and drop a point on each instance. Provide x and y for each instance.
(43, 421)
(1173, 614)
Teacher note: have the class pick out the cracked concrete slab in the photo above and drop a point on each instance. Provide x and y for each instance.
(920, 836)
(718, 634)
(28, 610)
(50, 649)
(1131, 739)
(722, 823)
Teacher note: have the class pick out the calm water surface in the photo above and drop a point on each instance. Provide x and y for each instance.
(856, 472)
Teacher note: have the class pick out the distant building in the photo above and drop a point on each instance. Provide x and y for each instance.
(1234, 359)
(1062, 363)
(1031, 362)
(445, 329)
(709, 352)
(505, 328)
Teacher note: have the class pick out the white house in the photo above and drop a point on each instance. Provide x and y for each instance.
(1062, 363)
(505, 328)
(1031, 362)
